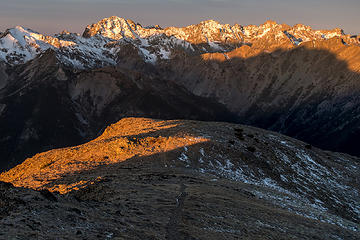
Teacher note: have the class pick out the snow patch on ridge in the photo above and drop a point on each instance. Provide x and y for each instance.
(289, 180)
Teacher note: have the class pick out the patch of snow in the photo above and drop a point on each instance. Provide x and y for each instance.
(263, 33)
(283, 178)
(215, 46)
(202, 152)
(222, 230)
(109, 235)
(282, 156)
(2, 108)
(81, 118)
(164, 53)
(148, 57)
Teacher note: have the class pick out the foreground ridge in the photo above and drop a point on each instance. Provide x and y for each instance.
(205, 180)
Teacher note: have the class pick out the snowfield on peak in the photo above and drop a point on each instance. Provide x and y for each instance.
(19, 45)
(101, 42)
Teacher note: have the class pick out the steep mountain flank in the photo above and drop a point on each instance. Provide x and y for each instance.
(154, 179)
(310, 92)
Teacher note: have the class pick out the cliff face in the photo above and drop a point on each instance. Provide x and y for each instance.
(180, 179)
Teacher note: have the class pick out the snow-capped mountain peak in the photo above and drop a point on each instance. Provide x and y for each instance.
(113, 27)
(19, 44)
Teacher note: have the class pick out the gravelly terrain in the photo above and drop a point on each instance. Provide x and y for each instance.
(153, 179)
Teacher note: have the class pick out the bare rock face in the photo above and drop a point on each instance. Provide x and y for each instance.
(146, 178)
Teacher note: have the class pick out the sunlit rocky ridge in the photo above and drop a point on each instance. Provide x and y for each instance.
(100, 42)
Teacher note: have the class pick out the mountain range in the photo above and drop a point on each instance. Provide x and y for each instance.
(101, 43)
(61, 90)
(246, 112)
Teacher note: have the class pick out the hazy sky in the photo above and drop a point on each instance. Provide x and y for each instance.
(52, 16)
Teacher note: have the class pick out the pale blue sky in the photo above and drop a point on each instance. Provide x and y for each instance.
(51, 16)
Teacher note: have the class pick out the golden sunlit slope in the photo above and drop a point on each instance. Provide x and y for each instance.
(127, 139)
